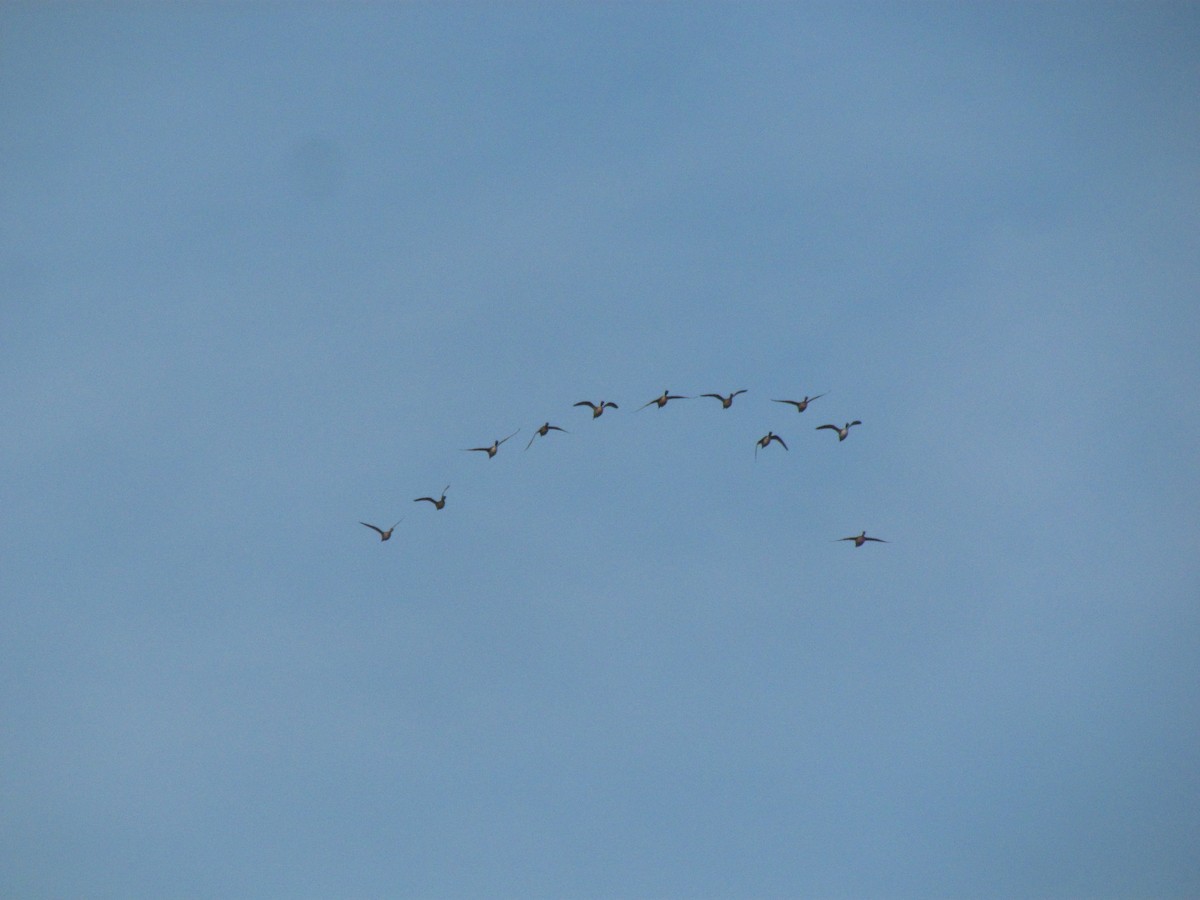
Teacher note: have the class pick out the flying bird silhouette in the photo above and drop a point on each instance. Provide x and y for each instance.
(438, 503)
(726, 402)
(597, 409)
(843, 431)
(490, 451)
(543, 431)
(860, 539)
(801, 405)
(662, 401)
(383, 535)
(765, 441)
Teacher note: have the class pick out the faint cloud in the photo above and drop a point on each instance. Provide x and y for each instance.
(316, 168)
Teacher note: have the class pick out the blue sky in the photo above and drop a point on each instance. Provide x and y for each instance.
(266, 269)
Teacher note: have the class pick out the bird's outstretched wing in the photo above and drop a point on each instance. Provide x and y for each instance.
(374, 527)
(832, 427)
(498, 443)
(585, 403)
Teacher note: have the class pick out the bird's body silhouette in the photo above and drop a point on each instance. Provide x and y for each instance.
(660, 402)
(841, 432)
(492, 450)
(383, 535)
(765, 441)
(597, 408)
(726, 402)
(860, 539)
(439, 502)
(543, 431)
(801, 405)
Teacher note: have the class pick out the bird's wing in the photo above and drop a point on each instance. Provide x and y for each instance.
(792, 402)
(781, 443)
(530, 444)
(717, 396)
(735, 393)
(855, 422)
(818, 397)
(880, 540)
(498, 443)
(585, 403)
(373, 527)
(419, 499)
(834, 427)
(476, 449)
(556, 428)
(614, 406)
(644, 405)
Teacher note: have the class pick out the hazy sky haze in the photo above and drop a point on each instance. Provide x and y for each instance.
(266, 270)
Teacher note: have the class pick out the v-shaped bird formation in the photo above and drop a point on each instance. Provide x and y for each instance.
(763, 443)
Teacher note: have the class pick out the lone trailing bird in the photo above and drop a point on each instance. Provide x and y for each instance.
(765, 441)
(543, 431)
(439, 502)
(383, 535)
(726, 402)
(801, 405)
(662, 401)
(490, 451)
(843, 431)
(597, 409)
(860, 539)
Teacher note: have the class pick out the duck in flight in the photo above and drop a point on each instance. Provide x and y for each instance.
(765, 441)
(439, 502)
(860, 539)
(490, 451)
(726, 402)
(843, 431)
(662, 401)
(801, 405)
(543, 431)
(383, 535)
(598, 409)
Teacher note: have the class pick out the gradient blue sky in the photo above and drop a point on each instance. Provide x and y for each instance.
(266, 269)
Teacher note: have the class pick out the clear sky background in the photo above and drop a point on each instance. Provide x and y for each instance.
(266, 269)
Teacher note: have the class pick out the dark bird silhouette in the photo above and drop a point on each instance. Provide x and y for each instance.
(543, 431)
(726, 402)
(439, 502)
(597, 409)
(662, 401)
(860, 539)
(801, 405)
(843, 431)
(383, 535)
(765, 441)
(490, 451)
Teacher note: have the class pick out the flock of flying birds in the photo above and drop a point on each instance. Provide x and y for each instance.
(598, 409)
